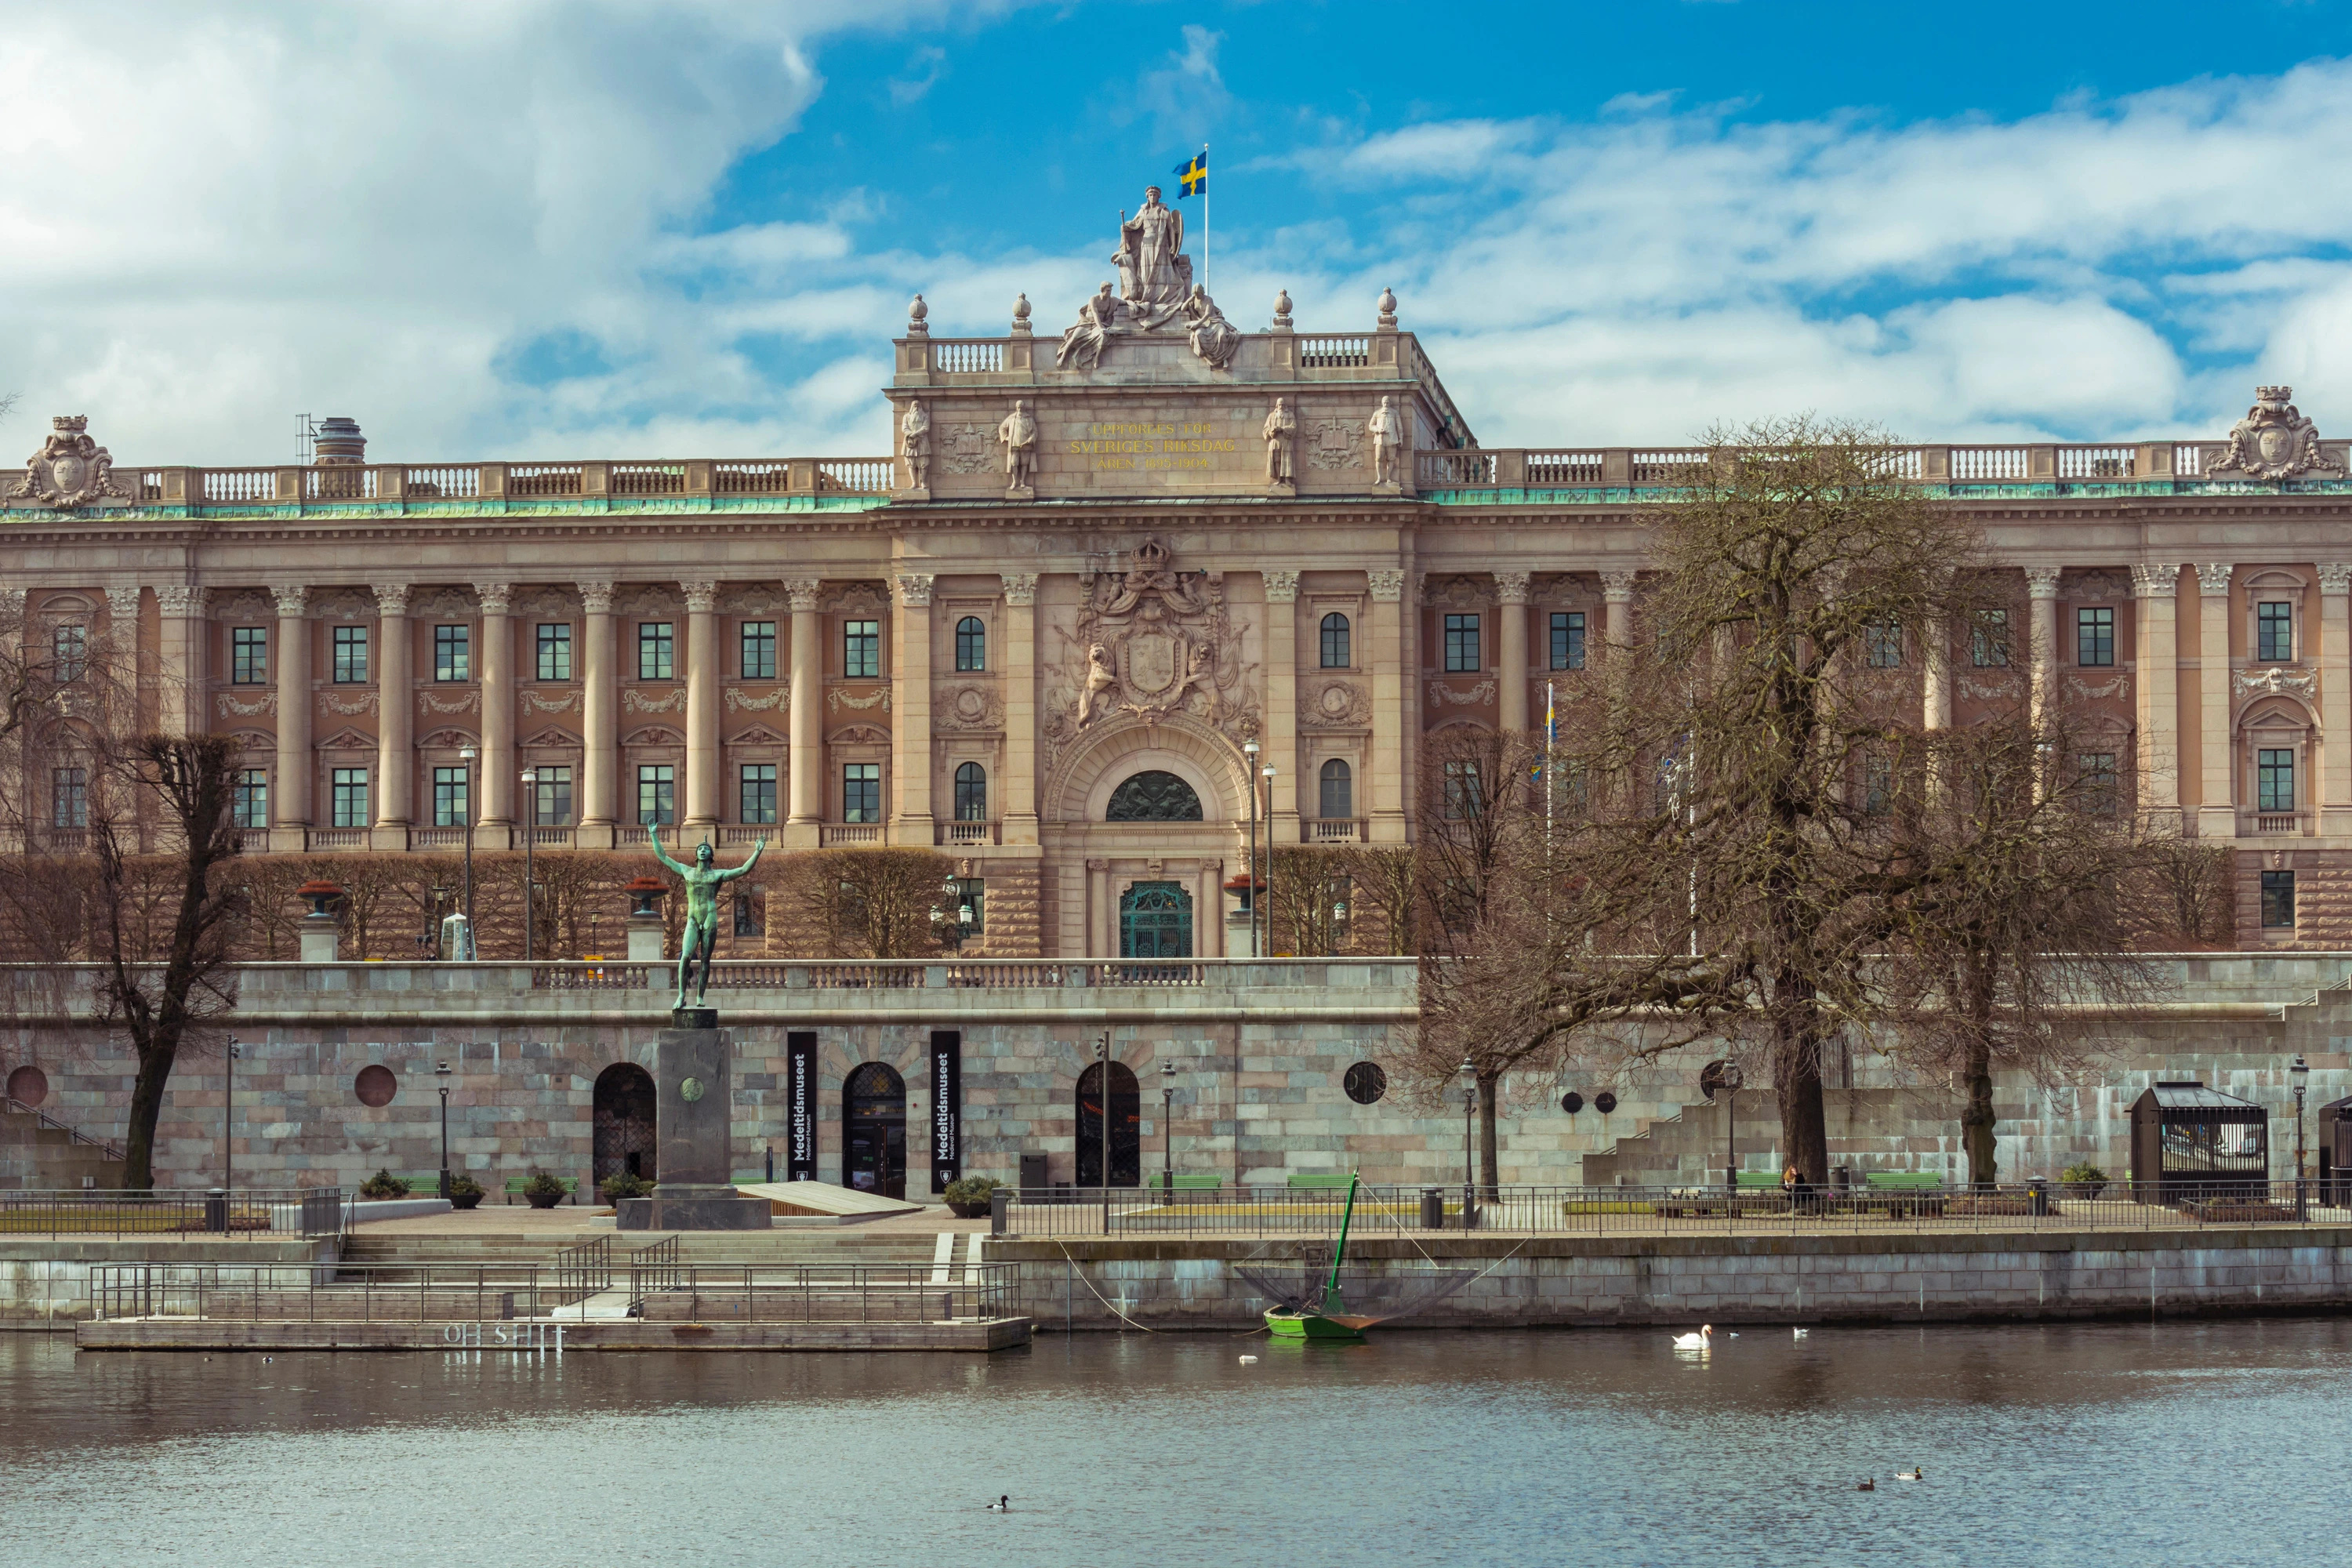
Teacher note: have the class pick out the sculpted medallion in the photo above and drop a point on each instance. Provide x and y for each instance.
(2274, 441)
(70, 470)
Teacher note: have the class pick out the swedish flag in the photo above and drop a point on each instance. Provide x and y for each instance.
(1192, 175)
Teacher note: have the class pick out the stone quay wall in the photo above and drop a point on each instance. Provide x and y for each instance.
(1081, 1285)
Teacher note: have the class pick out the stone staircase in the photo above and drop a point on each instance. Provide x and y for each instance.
(1869, 1130)
(39, 1154)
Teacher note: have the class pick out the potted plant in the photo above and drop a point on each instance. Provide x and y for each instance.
(968, 1197)
(381, 1185)
(543, 1191)
(464, 1191)
(623, 1184)
(2084, 1181)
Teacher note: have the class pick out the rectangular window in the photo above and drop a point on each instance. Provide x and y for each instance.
(861, 649)
(1567, 639)
(550, 804)
(2274, 632)
(2278, 900)
(656, 794)
(1877, 786)
(861, 792)
(2275, 779)
(453, 653)
(759, 650)
(759, 792)
(2094, 638)
(350, 656)
(248, 655)
(68, 797)
(249, 801)
(1464, 797)
(451, 788)
(1461, 645)
(1882, 645)
(69, 649)
(347, 797)
(1336, 641)
(655, 646)
(1989, 642)
(555, 650)
(2097, 773)
(747, 911)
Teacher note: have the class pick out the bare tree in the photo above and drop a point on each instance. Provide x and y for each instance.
(1385, 896)
(860, 903)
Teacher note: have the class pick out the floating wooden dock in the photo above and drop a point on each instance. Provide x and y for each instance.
(543, 1335)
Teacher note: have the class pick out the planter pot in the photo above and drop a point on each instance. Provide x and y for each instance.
(2084, 1189)
(971, 1211)
(463, 1200)
(543, 1200)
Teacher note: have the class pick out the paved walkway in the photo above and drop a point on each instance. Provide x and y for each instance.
(571, 1220)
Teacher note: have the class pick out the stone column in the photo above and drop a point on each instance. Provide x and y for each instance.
(396, 718)
(808, 719)
(1617, 656)
(186, 705)
(1936, 679)
(702, 681)
(1281, 738)
(1101, 918)
(1018, 801)
(2336, 695)
(1389, 675)
(600, 701)
(2157, 684)
(1209, 910)
(494, 826)
(2042, 595)
(2217, 810)
(289, 816)
(911, 711)
(1511, 647)
(123, 630)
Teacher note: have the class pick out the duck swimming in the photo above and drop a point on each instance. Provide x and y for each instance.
(1914, 1474)
(1698, 1341)
(1866, 1486)
(1002, 1505)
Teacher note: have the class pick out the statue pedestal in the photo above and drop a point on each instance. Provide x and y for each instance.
(1020, 492)
(694, 1143)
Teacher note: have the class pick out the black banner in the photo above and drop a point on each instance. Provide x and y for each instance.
(947, 1108)
(799, 1106)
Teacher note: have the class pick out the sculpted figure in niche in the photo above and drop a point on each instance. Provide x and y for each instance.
(915, 433)
(1019, 435)
(1280, 427)
(1100, 680)
(1153, 269)
(1214, 338)
(701, 933)
(1386, 429)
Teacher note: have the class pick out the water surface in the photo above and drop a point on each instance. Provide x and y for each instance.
(2217, 1443)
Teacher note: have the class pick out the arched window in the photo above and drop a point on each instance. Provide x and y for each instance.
(1335, 642)
(972, 793)
(1339, 791)
(1153, 797)
(972, 644)
(874, 1131)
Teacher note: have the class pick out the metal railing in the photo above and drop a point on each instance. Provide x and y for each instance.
(675, 1292)
(73, 1134)
(336, 1292)
(1269, 1210)
(309, 1211)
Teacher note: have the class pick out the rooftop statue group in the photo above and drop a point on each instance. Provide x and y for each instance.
(1155, 294)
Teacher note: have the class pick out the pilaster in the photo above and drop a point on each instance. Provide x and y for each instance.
(1019, 803)
(2042, 636)
(396, 718)
(2336, 695)
(290, 800)
(807, 783)
(1511, 648)
(1389, 675)
(2155, 685)
(183, 654)
(911, 711)
(494, 828)
(1281, 706)
(2217, 810)
(600, 699)
(702, 680)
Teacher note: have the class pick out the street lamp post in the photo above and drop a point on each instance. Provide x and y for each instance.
(1269, 774)
(951, 919)
(1249, 750)
(2299, 1075)
(530, 888)
(228, 1120)
(1469, 1175)
(441, 1072)
(1167, 1132)
(1102, 1088)
(466, 755)
(1731, 1081)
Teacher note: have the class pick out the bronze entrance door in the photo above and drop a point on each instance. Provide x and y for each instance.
(623, 1120)
(874, 1131)
(1155, 920)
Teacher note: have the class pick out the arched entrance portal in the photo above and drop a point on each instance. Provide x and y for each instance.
(1126, 1128)
(874, 1131)
(1155, 920)
(624, 1122)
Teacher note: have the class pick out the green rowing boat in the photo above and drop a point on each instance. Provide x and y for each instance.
(1329, 1322)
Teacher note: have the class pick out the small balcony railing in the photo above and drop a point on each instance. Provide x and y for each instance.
(832, 835)
(2272, 824)
(967, 833)
(1336, 830)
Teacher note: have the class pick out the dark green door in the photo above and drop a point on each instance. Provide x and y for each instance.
(1155, 920)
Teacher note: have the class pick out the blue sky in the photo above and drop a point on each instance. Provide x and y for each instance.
(529, 228)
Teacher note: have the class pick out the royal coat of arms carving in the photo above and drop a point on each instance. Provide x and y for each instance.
(70, 470)
(1150, 643)
(1332, 444)
(2273, 441)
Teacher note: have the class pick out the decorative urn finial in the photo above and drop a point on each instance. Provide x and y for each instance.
(1282, 308)
(1388, 308)
(1020, 309)
(916, 312)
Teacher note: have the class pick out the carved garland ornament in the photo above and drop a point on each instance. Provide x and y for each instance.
(231, 706)
(2276, 682)
(471, 702)
(537, 702)
(839, 698)
(969, 708)
(1441, 694)
(736, 700)
(1339, 705)
(636, 701)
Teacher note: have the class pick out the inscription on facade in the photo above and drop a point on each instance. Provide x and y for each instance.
(1169, 447)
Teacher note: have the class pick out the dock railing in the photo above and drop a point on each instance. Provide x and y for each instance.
(308, 1212)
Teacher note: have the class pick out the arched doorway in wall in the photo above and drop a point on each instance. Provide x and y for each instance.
(1155, 920)
(1126, 1127)
(874, 1131)
(623, 1120)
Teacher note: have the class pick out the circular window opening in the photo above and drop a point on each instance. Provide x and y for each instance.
(1571, 1102)
(1366, 1082)
(1604, 1102)
(28, 1085)
(375, 1085)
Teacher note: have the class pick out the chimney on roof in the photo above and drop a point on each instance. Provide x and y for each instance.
(340, 442)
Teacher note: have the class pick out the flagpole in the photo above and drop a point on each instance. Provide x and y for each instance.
(1204, 223)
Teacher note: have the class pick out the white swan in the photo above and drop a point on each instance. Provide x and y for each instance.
(1698, 1341)
(1800, 1333)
